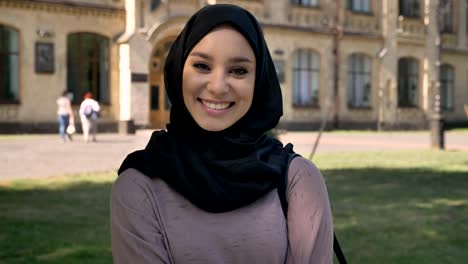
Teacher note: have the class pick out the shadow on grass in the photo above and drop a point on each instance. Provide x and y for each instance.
(400, 215)
(55, 225)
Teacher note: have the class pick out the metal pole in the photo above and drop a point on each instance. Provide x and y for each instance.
(336, 52)
(437, 120)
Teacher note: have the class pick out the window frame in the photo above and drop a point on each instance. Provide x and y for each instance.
(301, 3)
(406, 13)
(15, 53)
(350, 7)
(444, 87)
(407, 79)
(447, 23)
(300, 73)
(359, 74)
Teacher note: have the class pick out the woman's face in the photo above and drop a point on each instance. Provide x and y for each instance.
(219, 79)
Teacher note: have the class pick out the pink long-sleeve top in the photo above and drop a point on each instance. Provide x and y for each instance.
(151, 223)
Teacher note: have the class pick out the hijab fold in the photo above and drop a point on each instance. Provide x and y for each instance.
(226, 170)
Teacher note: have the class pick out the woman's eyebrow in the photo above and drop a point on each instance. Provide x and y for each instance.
(232, 60)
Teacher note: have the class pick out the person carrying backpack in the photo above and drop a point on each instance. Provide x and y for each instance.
(89, 113)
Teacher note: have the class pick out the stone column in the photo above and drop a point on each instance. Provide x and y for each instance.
(125, 121)
(126, 124)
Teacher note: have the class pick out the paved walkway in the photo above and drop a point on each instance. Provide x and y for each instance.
(45, 155)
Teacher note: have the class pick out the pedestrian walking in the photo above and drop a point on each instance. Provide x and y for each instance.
(89, 114)
(214, 188)
(65, 116)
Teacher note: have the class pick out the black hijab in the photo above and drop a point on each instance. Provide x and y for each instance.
(218, 171)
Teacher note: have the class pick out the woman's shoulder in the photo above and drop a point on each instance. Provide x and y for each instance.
(131, 185)
(303, 171)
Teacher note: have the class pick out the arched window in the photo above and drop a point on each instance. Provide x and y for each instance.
(447, 17)
(408, 82)
(154, 4)
(359, 81)
(88, 66)
(410, 8)
(446, 87)
(306, 72)
(9, 65)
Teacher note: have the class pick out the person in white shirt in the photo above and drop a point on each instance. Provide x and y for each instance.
(89, 110)
(64, 115)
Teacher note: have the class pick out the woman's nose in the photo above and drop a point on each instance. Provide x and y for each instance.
(218, 83)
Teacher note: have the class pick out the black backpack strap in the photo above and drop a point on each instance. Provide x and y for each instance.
(282, 187)
(338, 252)
(284, 205)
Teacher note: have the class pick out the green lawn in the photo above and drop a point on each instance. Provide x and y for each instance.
(392, 207)
(399, 207)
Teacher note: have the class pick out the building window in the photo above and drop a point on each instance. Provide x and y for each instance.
(359, 6)
(154, 4)
(305, 2)
(88, 66)
(447, 17)
(408, 82)
(446, 87)
(359, 81)
(155, 97)
(9, 65)
(306, 74)
(410, 8)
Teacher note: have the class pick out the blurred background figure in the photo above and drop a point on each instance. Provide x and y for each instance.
(65, 115)
(89, 113)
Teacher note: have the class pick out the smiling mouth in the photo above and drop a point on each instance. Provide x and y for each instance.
(216, 106)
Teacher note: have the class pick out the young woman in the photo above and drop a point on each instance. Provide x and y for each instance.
(214, 188)
(65, 115)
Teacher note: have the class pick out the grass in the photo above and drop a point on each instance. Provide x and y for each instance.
(58, 220)
(388, 207)
(399, 207)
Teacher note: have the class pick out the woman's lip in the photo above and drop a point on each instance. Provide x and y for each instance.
(214, 101)
(212, 111)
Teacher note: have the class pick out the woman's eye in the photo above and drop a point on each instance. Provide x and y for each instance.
(239, 71)
(201, 66)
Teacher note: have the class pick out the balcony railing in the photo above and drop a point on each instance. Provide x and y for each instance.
(449, 40)
(361, 24)
(310, 18)
(410, 28)
(256, 7)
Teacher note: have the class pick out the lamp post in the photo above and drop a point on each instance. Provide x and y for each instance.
(437, 119)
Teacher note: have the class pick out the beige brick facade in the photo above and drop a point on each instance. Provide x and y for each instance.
(145, 28)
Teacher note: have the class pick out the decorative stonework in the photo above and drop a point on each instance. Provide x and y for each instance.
(361, 24)
(57, 7)
(449, 41)
(411, 28)
(256, 7)
(310, 17)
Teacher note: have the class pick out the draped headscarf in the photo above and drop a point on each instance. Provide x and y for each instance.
(225, 170)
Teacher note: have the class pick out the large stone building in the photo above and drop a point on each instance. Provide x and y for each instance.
(356, 63)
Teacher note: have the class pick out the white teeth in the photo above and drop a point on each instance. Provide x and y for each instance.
(216, 106)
